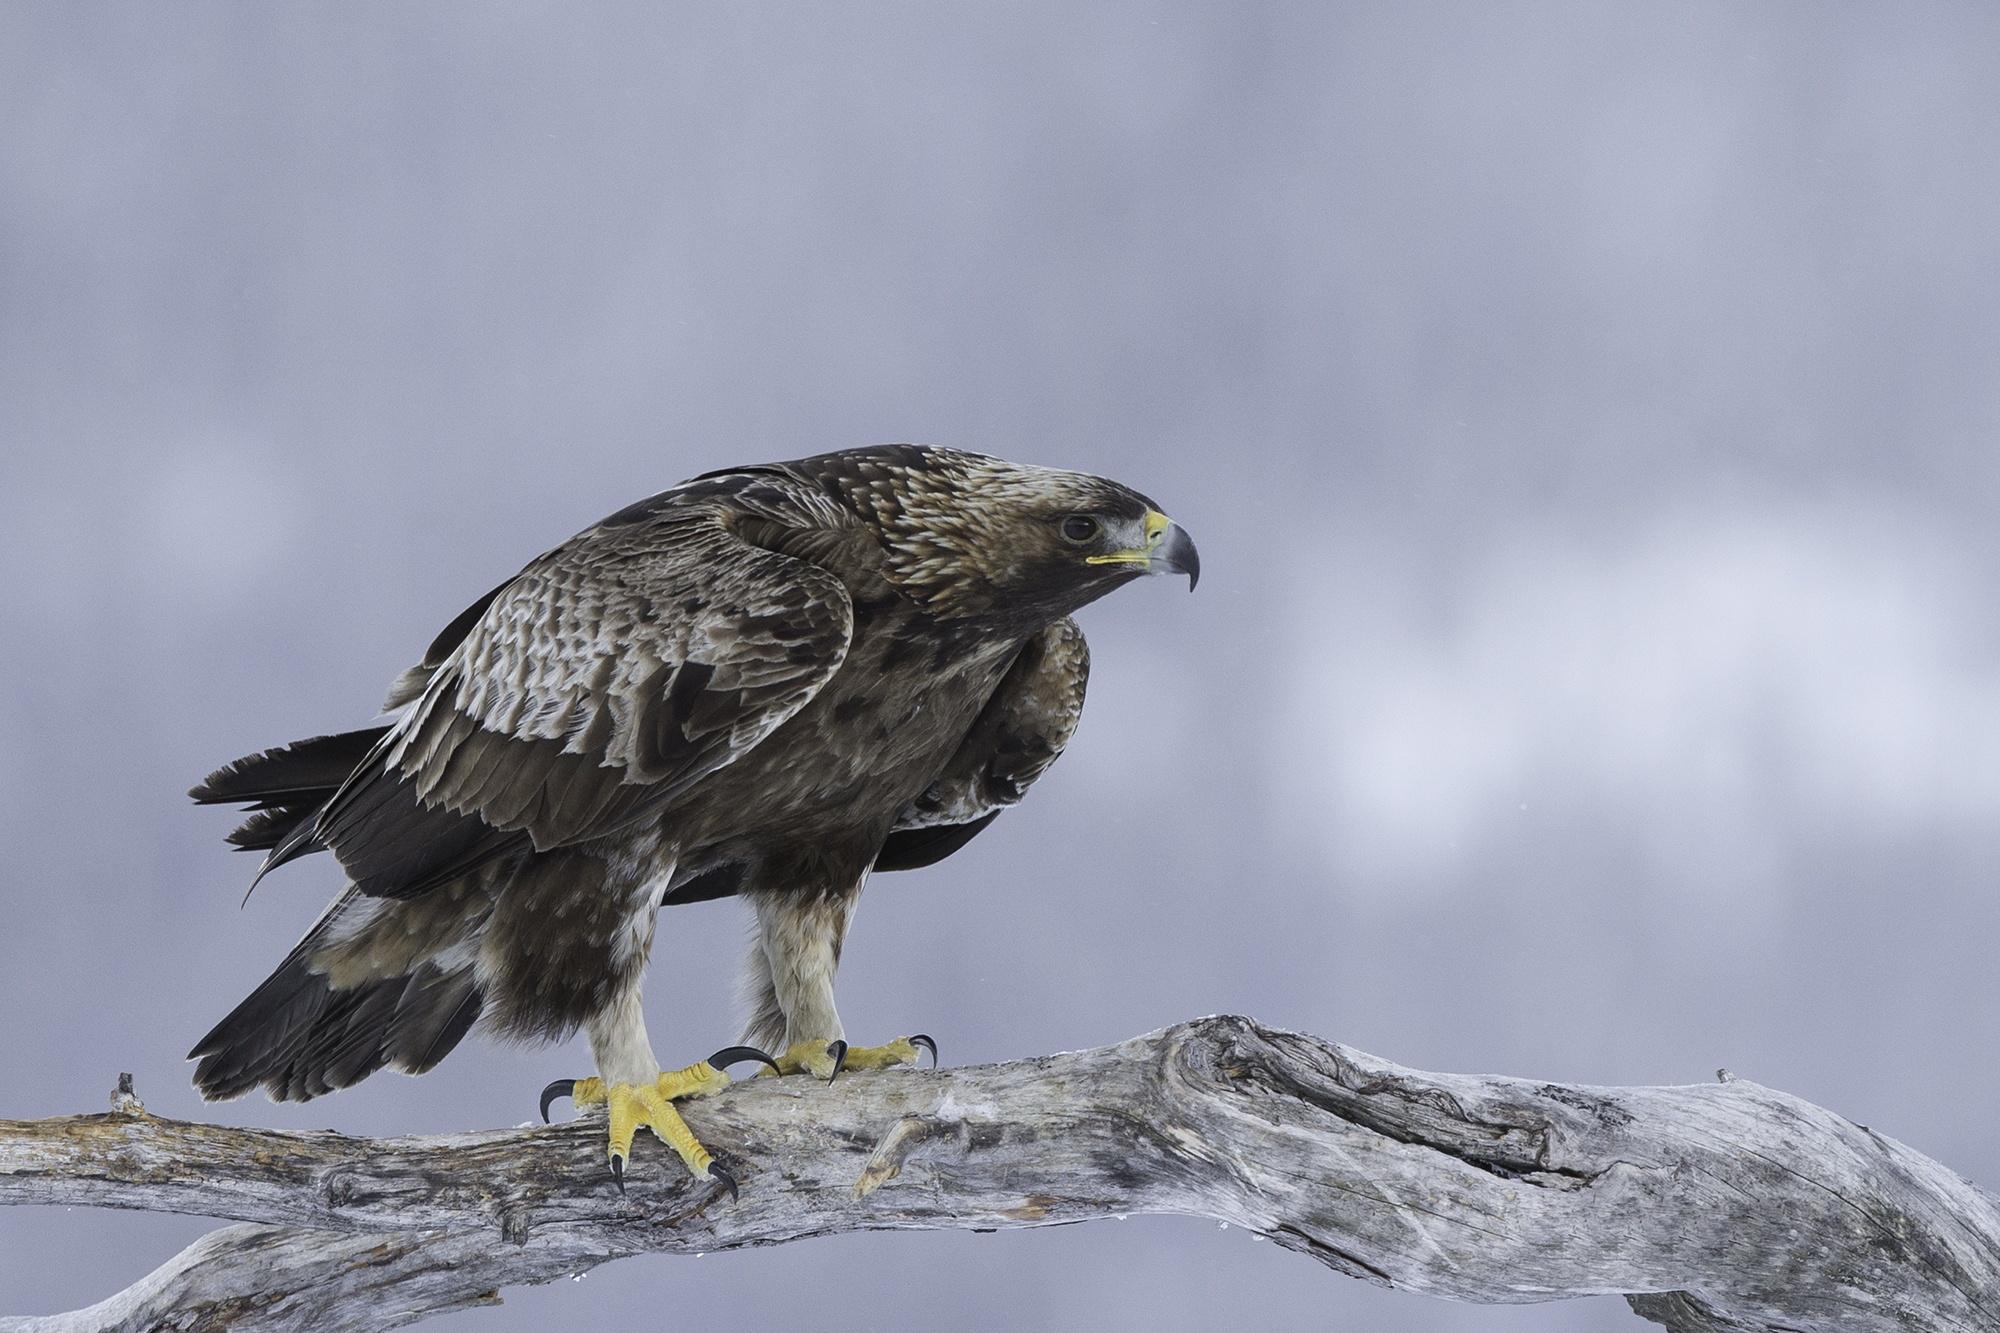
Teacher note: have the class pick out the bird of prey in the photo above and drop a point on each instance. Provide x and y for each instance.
(767, 682)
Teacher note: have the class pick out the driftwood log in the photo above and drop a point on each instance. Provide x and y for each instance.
(1723, 1206)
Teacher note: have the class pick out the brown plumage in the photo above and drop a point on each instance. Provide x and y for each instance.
(765, 682)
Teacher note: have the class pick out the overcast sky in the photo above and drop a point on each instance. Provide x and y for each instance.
(1587, 414)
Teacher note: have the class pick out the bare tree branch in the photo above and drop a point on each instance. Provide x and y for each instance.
(1724, 1206)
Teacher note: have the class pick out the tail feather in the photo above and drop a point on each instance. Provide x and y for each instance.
(300, 1037)
(259, 1036)
(437, 1010)
(284, 788)
(268, 826)
(345, 1045)
(302, 768)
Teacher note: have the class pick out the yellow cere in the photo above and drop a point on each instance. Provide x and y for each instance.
(1156, 528)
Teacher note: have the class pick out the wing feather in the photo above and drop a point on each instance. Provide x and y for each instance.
(601, 683)
(1025, 725)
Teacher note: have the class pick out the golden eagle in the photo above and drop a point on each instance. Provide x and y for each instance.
(767, 682)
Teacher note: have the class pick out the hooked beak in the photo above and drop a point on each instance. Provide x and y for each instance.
(1167, 550)
(1172, 552)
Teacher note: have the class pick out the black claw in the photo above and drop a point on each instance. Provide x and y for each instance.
(562, 1087)
(736, 1055)
(838, 1050)
(618, 1172)
(715, 1170)
(921, 1040)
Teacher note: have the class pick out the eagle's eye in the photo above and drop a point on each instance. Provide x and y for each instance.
(1079, 528)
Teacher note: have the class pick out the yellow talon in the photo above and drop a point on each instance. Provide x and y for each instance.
(826, 1059)
(635, 1106)
(811, 1057)
(641, 1105)
(901, 1051)
(701, 1079)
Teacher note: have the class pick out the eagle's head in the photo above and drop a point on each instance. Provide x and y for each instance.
(968, 536)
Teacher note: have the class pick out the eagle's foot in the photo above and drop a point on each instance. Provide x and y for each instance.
(825, 1060)
(635, 1106)
(901, 1051)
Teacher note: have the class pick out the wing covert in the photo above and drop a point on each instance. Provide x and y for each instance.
(599, 684)
(1025, 725)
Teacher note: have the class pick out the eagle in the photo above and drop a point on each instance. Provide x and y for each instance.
(766, 682)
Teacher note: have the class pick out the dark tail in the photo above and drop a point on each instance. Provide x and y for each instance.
(285, 789)
(297, 1034)
(299, 1037)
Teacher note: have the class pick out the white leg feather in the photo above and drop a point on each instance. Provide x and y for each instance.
(619, 1044)
(799, 936)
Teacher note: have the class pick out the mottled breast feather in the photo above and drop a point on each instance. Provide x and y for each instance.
(1030, 717)
(598, 684)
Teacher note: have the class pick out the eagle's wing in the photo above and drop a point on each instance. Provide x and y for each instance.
(1026, 723)
(599, 684)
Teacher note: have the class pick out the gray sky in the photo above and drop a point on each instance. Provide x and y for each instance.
(1587, 414)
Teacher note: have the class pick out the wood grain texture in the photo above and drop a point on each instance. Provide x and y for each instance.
(1724, 1206)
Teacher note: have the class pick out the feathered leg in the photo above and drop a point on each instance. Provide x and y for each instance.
(791, 975)
(605, 976)
(765, 1028)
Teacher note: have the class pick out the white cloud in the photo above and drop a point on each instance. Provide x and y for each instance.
(1710, 690)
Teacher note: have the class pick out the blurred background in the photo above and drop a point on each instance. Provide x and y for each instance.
(1587, 414)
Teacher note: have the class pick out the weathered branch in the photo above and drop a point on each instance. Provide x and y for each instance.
(1723, 1206)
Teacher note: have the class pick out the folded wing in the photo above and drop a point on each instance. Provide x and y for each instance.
(589, 692)
(1029, 719)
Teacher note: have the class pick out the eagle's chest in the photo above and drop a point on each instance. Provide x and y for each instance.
(874, 736)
